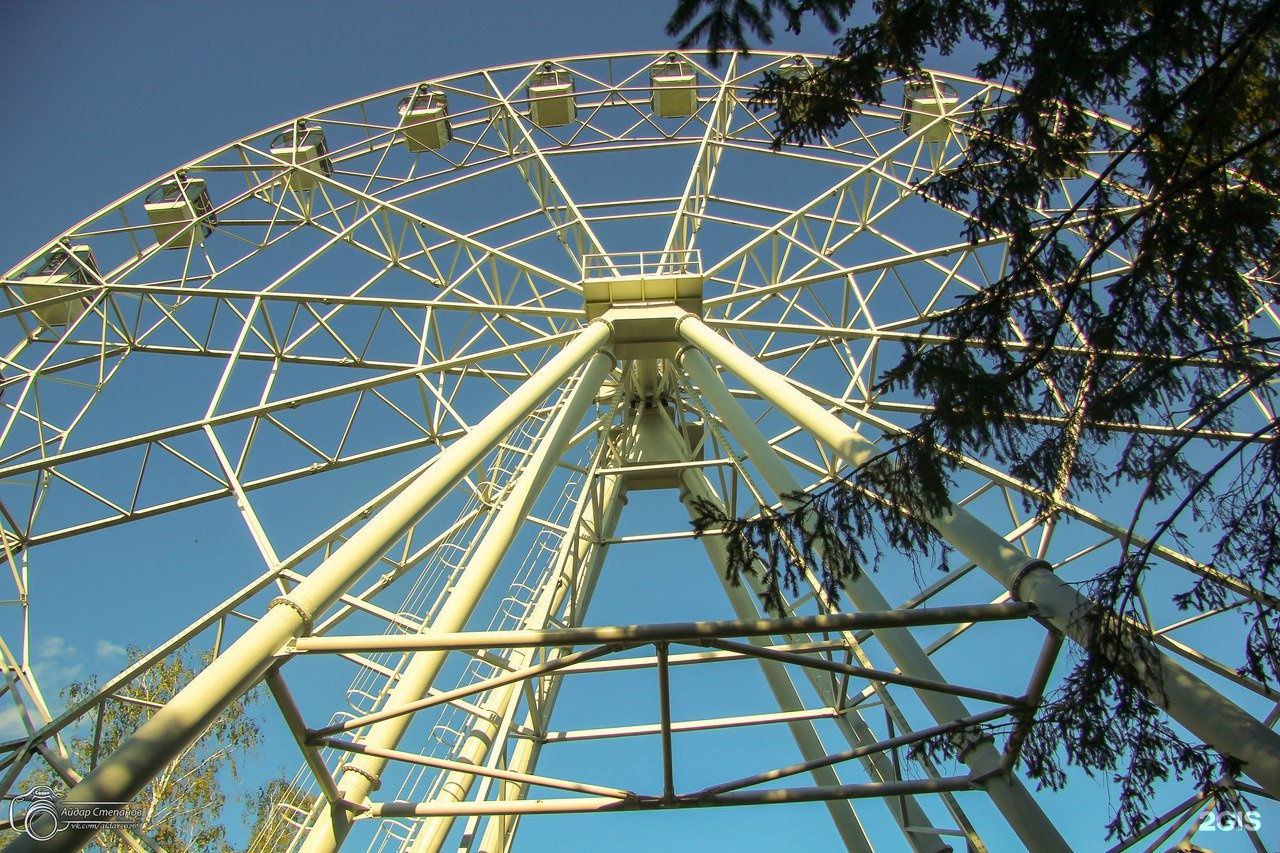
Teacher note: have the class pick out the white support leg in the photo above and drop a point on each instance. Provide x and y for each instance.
(1204, 711)
(1021, 810)
(184, 718)
(842, 813)
(361, 776)
(485, 734)
(600, 518)
(784, 691)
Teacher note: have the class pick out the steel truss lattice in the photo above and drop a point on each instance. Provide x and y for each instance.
(450, 380)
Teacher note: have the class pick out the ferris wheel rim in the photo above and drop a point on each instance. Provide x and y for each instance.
(557, 325)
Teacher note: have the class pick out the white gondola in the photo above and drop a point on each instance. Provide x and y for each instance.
(551, 101)
(923, 102)
(796, 68)
(303, 146)
(180, 212)
(675, 91)
(61, 275)
(424, 120)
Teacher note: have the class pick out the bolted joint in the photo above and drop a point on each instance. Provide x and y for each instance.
(1021, 574)
(308, 621)
(375, 782)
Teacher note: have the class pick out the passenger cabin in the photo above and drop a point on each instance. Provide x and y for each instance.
(796, 68)
(303, 146)
(58, 281)
(675, 91)
(180, 212)
(551, 101)
(424, 120)
(923, 101)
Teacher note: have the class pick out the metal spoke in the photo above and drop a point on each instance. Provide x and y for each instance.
(442, 389)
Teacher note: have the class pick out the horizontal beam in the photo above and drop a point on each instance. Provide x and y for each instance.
(673, 632)
(704, 656)
(858, 752)
(478, 770)
(706, 724)
(865, 790)
(474, 687)
(880, 675)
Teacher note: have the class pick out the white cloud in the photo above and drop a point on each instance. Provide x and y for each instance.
(108, 649)
(52, 646)
(55, 663)
(11, 723)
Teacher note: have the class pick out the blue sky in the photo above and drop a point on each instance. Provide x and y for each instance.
(101, 98)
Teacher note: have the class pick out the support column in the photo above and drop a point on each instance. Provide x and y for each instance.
(1017, 805)
(806, 736)
(362, 776)
(123, 774)
(500, 830)
(1204, 711)
(571, 576)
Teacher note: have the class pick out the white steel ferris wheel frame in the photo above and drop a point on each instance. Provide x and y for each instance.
(476, 347)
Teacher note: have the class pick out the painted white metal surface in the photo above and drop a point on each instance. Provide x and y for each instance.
(341, 337)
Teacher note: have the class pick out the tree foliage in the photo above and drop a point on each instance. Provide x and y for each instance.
(275, 811)
(183, 806)
(1127, 312)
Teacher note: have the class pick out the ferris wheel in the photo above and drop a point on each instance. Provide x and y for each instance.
(403, 407)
